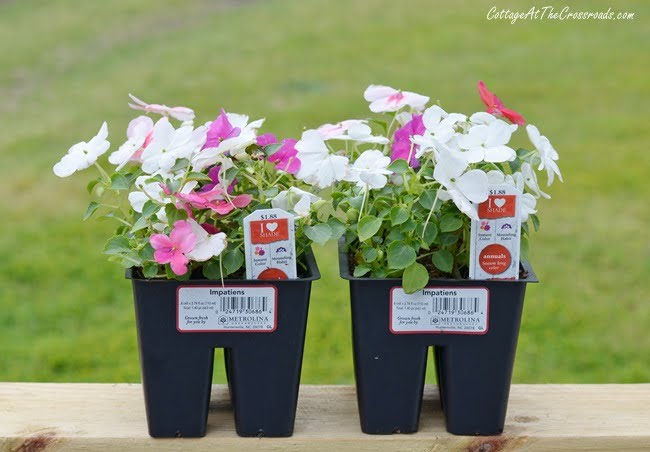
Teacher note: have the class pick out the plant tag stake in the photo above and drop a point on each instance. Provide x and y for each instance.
(495, 238)
(270, 245)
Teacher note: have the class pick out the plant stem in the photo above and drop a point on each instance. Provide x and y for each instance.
(435, 201)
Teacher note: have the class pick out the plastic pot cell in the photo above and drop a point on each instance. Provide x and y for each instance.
(179, 326)
(473, 352)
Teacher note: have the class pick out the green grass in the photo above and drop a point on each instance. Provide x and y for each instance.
(67, 315)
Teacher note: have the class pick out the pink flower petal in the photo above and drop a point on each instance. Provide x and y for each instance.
(182, 236)
(178, 263)
(160, 241)
(266, 139)
(242, 200)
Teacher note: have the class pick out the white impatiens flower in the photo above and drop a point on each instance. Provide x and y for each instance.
(463, 188)
(207, 245)
(295, 200)
(527, 201)
(488, 143)
(547, 153)
(139, 135)
(83, 155)
(385, 98)
(527, 176)
(369, 170)
(318, 166)
(169, 144)
(359, 132)
(439, 130)
(236, 146)
(154, 190)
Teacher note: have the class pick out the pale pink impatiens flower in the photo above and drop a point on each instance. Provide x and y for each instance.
(214, 200)
(496, 107)
(180, 113)
(266, 139)
(385, 98)
(139, 134)
(172, 249)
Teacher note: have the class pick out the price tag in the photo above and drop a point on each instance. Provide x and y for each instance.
(495, 237)
(270, 245)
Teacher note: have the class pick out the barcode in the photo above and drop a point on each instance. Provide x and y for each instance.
(244, 303)
(456, 304)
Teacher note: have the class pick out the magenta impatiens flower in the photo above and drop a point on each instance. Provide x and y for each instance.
(266, 139)
(496, 107)
(213, 174)
(173, 248)
(220, 129)
(402, 143)
(286, 158)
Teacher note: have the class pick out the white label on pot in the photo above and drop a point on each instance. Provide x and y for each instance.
(442, 310)
(270, 245)
(208, 309)
(495, 237)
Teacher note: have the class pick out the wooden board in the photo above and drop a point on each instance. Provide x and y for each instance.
(48, 417)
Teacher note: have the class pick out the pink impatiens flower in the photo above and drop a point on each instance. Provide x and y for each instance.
(220, 129)
(266, 139)
(496, 107)
(286, 157)
(402, 146)
(214, 200)
(180, 113)
(384, 98)
(172, 249)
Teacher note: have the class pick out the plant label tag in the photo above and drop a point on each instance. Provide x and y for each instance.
(495, 237)
(212, 309)
(270, 245)
(440, 310)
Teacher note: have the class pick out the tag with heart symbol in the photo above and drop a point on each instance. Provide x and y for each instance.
(270, 245)
(495, 237)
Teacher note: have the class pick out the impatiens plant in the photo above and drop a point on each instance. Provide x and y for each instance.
(180, 193)
(408, 190)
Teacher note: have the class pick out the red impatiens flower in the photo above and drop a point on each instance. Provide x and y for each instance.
(496, 107)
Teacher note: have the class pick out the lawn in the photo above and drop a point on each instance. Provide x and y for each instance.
(67, 315)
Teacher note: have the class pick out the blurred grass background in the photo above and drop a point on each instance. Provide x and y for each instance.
(67, 315)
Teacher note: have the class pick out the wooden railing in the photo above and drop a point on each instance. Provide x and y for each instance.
(48, 417)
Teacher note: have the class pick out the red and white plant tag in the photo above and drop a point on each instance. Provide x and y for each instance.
(496, 236)
(270, 245)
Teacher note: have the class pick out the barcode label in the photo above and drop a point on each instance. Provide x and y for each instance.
(226, 309)
(440, 310)
(455, 305)
(244, 303)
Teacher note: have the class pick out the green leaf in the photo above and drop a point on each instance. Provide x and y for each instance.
(197, 176)
(232, 261)
(443, 260)
(180, 164)
(338, 228)
(91, 185)
(211, 270)
(409, 226)
(319, 233)
(272, 149)
(399, 166)
(149, 269)
(140, 224)
(415, 278)
(430, 233)
(450, 223)
(173, 214)
(368, 227)
(524, 249)
(535, 220)
(119, 182)
(360, 270)
(149, 208)
(427, 198)
(369, 254)
(400, 255)
(117, 245)
(448, 239)
(92, 207)
(379, 273)
(146, 253)
(515, 165)
(398, 215)
(271, 192)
